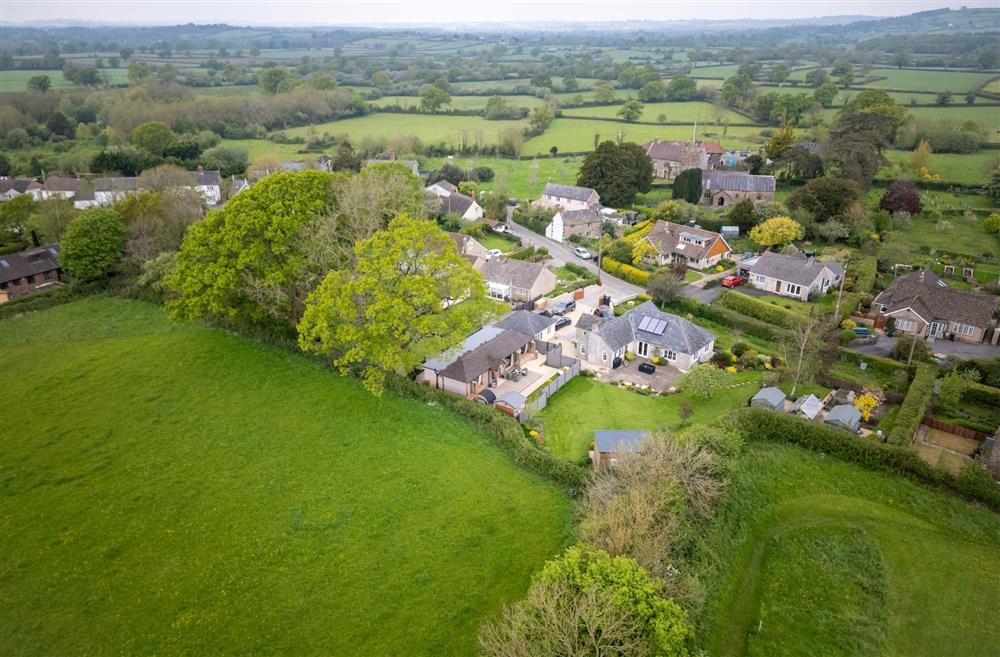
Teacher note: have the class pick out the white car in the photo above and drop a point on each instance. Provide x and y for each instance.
(582, 253)
(493, 253)
(501, 228)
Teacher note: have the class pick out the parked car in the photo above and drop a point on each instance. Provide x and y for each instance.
(582, 253)
(493, 253)
(563, 307)
(647, 368)
(563, 321)
(544, 312)
(732, 281)
(501, 228)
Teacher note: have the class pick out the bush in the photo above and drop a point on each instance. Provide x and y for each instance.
(730, 318)
(757, 424)
(93, 244)
(625, 272)
(865, 272)
(752, 307)
(911, 411)
(739, 348)
(982, 395)
(921, 350)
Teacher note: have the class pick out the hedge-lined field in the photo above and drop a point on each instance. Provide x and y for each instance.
(703, 113)
(577, 135)
(523, 179)
(430, 128)
(178, 490)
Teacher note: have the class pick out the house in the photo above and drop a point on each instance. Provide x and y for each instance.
(770, 397)
(534, 324)
(646, 332)
(808, 406)
(209, 185)
(672, 157)
(464, 206)
(610, 445)
(517, 281)
(112, 190)
(14, 187)
(237, 185)
(58, 187)
(468, 245)
(569, 197)
(724, 188)
(28, 271)
(845, 416)
(85, 197)
(390, 158)
(924, 305)
(565, 223)
(479, 363)
(442, 188)
(693, 246)
(796, 275)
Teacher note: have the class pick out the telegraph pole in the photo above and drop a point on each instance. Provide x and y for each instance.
(840, 293)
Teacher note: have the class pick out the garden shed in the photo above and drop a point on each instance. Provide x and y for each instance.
(845, 416)
(770, 397)
(808, 405)
(609, 444)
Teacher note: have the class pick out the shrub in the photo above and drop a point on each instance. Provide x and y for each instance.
(983, 395)
(739, 348)
(912, 410)
(921, 350)
(625, 272)
(865, 271)
(757, 309)
(848, 324)
(93, 243)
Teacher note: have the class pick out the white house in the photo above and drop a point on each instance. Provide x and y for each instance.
(569, 197)
(690, 245)
(464, 206)
(795, 275)
(646, 332)
(442, 188)
(14, 187)
(209, 185)
(517, 281)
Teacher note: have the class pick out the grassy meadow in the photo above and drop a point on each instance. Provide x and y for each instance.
(955, 81)
(11, 81)
(687, 112)
(430, 128)
(177, 490)
(577, 135)
(821, 557)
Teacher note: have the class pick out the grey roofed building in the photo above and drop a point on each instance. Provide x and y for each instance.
(207, 177)
(845, 416)
(798, 268)
(678, 335)
(809, 405)
(509, 271)
(526, 322)
(456, 203)
(931, 298)
(606, 440)
(489, 354)
(445, 185)
(769, 397)
(616, 332)
(61, 184)
(585, 216)
(449, 356)
(568, 191)
(116, 184)
(30, 262)
(736, 182)
(19, 185)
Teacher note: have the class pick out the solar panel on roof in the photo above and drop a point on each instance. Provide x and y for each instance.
(644, 324)
(660, 326)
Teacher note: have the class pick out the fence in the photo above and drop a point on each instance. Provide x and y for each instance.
(541, 396)
(964, 432)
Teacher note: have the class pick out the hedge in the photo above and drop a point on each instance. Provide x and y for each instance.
(982, 395)
(625, 272)
(762, 310)
(877, 364)
(758, 424)
(911, 411)
(502, 430)
(638, 231)
(730, 318)
(865, 271)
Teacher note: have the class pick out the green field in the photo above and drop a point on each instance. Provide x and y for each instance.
(258, 147)
(577, 135)
(461, 102)
(585, 405)
(675, 112)
(523, 179)
(182, 491)
(955, 81)
(18, 80)
(971, 168)
(986, 117)
(820, 557)
(451, 130)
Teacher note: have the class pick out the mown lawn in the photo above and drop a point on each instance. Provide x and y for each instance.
(179, 491)
(820, 557)
(585, 405)
(970, 168)
(522, 179)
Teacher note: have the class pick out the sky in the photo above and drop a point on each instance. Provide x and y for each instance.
(452, 12)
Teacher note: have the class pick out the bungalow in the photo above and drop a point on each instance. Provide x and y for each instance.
(672, 157)
(797, 276)
(14, 187)
(845, 416)
(566, 223)
(771, 398)
(516, 281)
(610, 445)
(647, 332)
(569, 197)
(530, 323)
(696, 247)
(808, 406)
(724, 188)
(924, 305)
(442, 188)
(468, 245)
(112, 190)
(28, 271)
(479, 363)
(58, 187)
(209, 185)
(464, 206)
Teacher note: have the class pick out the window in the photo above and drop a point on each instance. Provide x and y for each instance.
(604, 356)
(671, 355)
(31, 279)
(793, 289)
(48, 275)
(964, 329)
(905, 325)
(583, 348)
(757, 278)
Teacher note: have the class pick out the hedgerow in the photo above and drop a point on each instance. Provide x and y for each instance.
(625, 272)
(983, 395)
(877, 364)
(730, 318)
(766, 312)
(912, 410)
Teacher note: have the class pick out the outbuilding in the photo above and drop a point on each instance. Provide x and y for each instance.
(845, 416)
(770, 397)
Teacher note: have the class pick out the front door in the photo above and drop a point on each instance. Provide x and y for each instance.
(777, 286)
(936, 329)
(643, 349)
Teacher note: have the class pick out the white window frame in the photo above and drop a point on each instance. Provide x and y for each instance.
(604, 356)
(907, 325)
(794, 289)
(964, 329)
(759, 278)
(671, 354)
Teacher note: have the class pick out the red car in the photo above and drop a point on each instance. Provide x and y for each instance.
(732, 281)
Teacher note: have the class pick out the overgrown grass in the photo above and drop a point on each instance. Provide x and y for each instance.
(179, 490)
(797, 543)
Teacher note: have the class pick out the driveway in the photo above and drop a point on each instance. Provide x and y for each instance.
(940, 348)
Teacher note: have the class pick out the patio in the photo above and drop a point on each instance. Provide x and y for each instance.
(662, 380)
(537, 376)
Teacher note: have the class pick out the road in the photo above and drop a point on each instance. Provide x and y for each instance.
(616, 287)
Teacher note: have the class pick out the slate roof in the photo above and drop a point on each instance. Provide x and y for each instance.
(526, 321)
(606, 440)
(568, 191)
(734, 181)
(456, 203)
(20, 185)
(507, 271)
(116, 184)
(797, 268)
(932, 298)
(844, 414)
(207, 178)
(616, 332)
(61, 184)
(489, 354)
(585, 216)
(461, 242)
(679, 335)
(771, 396)
(445, 185)
(449, 356)
(809, 405)
(672, 151)
(28, 262)
(666, 237)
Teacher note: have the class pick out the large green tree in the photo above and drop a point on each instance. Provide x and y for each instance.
(396, 305)
(617, 171)
(154, 137)
(687, 186)
(825, 198)
(631, 110)
(93, 244)
(432, 98)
